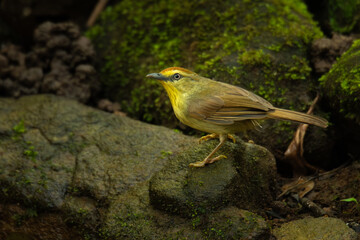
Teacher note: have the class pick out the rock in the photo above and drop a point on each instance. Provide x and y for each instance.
(343, 17)
(341, 84)
(59, 41)
(234, 223)
(31, 77)
(96, 169)
(325, 51)
(323, 228)
(3, 61)
(59, 63)
(66, 50)
(42, 33)
(131, 216)
(244, 179)
(107, 105)
(83, 50)
(85, 69)
(98, 153)
(14, 54)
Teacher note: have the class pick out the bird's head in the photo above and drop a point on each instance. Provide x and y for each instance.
(176, 79)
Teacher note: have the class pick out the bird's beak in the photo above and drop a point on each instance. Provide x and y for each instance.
(158, 76)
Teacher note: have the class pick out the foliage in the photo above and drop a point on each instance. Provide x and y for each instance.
(352, 199)
(18, 130)
(343, 15)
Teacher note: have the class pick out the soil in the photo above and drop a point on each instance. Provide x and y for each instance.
(328, 192)
(17, 222)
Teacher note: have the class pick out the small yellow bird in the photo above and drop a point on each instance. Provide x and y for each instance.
(219, 108)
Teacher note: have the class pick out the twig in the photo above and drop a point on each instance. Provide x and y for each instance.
(319, 175)
(294, 153)
(95, 13)
(313, 207)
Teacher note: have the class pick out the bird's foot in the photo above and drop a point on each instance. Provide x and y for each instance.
(217, 158)
(215, 135)
(232, 138)
(206, 161)
(207, 137)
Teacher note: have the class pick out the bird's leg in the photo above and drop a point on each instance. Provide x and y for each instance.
(207, 137)
(214, 135)
(208, 159)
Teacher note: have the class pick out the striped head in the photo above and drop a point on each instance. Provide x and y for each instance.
(176, 81)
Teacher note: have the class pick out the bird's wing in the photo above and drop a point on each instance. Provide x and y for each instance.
(233, 104)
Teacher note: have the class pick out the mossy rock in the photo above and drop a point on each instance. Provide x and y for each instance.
(234, 223)
(261, 46)
(93, 168)
(323, 228)
(342, 84)
(58, 154)
(344, 16)
(131, 216)
(244, 179)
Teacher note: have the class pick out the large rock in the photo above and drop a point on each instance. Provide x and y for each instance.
(323, 228)
(59, 147)
(341, 83)
(97, 168)
(245, 179)
(131, 216)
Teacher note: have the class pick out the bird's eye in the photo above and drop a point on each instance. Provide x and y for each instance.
(176, 76)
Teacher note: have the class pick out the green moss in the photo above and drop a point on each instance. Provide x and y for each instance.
(18, 130)
(21, 218)
(75, 143)
(342, 83)
(30, 152)
(343, 15)
(232, 223)
(131, 226)
(243, 45)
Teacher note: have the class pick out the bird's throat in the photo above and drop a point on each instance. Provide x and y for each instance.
(172, 92)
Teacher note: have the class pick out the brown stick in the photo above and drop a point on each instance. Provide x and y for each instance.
(294, 153)
(95, 13)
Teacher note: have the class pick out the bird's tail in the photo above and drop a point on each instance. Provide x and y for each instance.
(284, 114)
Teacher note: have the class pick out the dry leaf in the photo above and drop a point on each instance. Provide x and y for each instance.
(294, 153)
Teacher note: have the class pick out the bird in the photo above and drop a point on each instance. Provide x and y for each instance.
(220, 109)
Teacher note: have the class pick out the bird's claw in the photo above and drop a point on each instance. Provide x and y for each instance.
(214, 135)
(206, 161)
(207, 137)
(217, 158)
(197, 164)
(232, 138)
